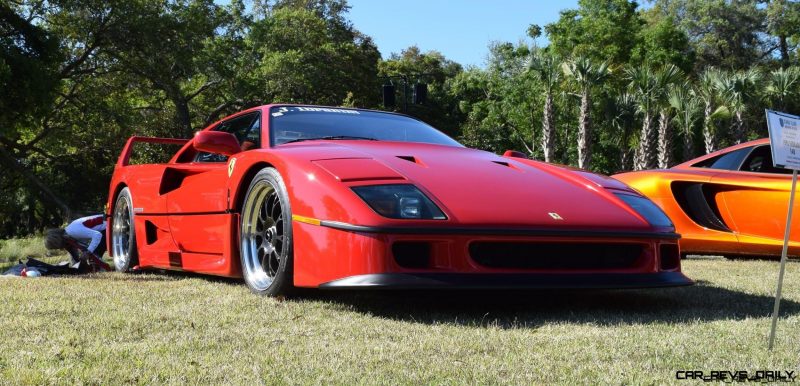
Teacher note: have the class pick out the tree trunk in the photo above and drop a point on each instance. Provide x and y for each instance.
(784, 51)
(533, 136)
(548, 129)
(646, 155)
(31, 223)
(625, 152)
(584, 133)
(664, 140)
(563, 150)
(738, 128)
(624, 159)
(183, 117)
(708, 132)
(688, 146)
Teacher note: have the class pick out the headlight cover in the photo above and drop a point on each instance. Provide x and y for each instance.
(400, 201)
(650, 211)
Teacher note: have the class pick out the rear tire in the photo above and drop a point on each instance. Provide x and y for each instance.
(266, 236)
(123, 235)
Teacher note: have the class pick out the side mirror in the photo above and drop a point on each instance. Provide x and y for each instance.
(216, 142)
(515, 154)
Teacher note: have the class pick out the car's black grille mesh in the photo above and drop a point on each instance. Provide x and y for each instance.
(555, 256)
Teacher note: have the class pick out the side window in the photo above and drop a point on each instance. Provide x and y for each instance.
(760, 161)
(727, 161)
(246, 129)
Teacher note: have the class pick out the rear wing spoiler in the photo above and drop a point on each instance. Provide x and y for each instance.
(125, 156)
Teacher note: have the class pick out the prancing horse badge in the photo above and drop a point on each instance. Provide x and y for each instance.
(231, 166)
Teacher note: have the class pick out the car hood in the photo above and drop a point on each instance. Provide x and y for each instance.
(475, 187)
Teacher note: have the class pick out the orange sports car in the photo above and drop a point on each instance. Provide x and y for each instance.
(732, 202)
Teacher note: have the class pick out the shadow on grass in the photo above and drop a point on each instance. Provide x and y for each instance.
(157, 275)
(526, 309)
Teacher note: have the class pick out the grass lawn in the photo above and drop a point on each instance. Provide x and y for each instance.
(116, 328)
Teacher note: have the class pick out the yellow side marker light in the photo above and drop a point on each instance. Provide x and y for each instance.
(304, 219)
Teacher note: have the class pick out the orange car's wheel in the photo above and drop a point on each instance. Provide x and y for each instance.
(266, 236)
(123, 234)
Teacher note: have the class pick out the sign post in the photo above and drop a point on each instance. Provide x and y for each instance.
(784, 138)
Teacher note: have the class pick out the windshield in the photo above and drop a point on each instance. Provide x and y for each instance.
(298, 123)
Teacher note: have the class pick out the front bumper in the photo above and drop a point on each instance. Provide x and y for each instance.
(509, 281)
(337, 255)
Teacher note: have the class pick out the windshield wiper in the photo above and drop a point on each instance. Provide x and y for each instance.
(332, 137)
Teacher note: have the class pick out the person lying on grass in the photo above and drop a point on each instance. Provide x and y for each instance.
(89, 231)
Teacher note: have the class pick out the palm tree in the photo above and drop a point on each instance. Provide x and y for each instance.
(665, 78)
(586, 75)
(623, 118)
(643, 85)
(707, 91)
(782, 86)
(737, 89)
(688, 109)
(546, 68)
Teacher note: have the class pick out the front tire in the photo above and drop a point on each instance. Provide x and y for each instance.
(123, 234)
(266, 236)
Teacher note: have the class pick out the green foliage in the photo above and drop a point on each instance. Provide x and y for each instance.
(724, 33)
(782, 18)
(14, 250)
(501, 103)
(585, 73)
(739, 88)
(687, 106)
(546, 67)
(29, 59)
(643, 85)
(601, 30)
(783, 86)
(662, 43)
(302, 58)
(432, 68)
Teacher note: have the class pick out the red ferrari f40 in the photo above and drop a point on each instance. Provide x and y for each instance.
(288, 196)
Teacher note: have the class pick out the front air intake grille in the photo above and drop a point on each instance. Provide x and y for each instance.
(670, 257)
(555, 256)
(412, 254)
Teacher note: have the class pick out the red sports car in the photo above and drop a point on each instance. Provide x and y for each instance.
(290, 196)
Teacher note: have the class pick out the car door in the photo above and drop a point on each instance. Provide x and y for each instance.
(756, 197)
(197, 193)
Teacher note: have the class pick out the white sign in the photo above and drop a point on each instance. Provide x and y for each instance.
(784, 136)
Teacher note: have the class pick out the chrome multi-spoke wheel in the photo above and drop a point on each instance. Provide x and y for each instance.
(266, 235)
(123, 237)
